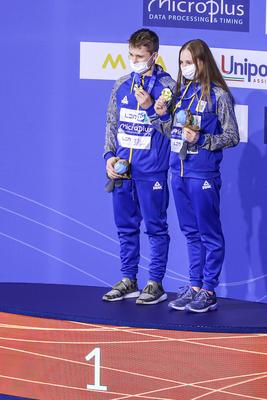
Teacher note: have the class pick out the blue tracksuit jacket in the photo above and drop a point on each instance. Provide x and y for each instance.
(129, 127)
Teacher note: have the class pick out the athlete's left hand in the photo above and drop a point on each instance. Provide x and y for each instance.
(143, 98)
(190, 135)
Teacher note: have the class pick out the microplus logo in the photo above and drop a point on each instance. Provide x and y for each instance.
(228, 15)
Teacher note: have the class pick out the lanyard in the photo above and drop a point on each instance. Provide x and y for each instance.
(140, 80)
(181, 99)
(192, 100)
(151, 83)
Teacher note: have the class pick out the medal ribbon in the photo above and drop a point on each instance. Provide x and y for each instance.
(192, 100)
(184, 147)
(140, 80)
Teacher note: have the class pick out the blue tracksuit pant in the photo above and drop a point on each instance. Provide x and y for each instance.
(197, 204)
(133, 201)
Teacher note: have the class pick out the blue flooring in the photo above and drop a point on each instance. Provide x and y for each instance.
(84, 304)
(6, 397)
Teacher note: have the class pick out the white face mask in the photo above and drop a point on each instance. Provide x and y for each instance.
(142, 66)
(189, 72)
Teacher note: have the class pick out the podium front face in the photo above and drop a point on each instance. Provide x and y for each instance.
(52, 359)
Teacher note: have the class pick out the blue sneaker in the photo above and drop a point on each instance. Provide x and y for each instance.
(203, 301)
(185, 295)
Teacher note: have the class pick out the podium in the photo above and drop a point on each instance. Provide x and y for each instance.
(63, 342)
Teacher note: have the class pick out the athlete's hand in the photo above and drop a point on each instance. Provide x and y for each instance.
(190, 135)
(110, 168)
(143, 98)
(160, 106)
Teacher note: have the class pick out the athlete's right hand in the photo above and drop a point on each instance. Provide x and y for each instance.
(160, 106)
(110, 168)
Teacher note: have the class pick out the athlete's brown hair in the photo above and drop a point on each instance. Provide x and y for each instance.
(146, 38)
(207, 71)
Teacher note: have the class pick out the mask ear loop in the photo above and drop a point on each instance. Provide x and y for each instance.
(147, 62)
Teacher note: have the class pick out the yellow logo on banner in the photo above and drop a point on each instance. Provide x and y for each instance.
(109, 59)
(119, 60)
(161, 62)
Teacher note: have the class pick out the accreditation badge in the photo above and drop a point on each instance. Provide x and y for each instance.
(176, 145)
(201, 105)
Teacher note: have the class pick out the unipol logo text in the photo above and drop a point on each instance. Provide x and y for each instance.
(241, 70)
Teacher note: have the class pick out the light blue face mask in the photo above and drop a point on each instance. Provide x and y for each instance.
(142, 66)
(189, 72)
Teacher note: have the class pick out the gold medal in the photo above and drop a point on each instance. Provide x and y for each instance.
(166, 94)
(137, 87)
